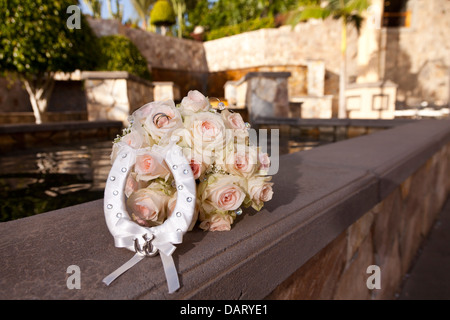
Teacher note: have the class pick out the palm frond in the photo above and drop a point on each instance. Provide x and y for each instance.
(310, 12)
(358, 5)
(142, 7)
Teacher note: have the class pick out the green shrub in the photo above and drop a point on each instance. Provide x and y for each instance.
(250, 25)
(118, 53)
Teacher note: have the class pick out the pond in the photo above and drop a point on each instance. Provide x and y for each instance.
(43, 179)
(47, 178)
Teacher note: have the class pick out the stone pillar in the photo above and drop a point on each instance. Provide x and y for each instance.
(267, 94)
(114, 95)
(166, 90)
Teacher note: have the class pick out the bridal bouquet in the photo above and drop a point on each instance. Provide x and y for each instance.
(229, 172)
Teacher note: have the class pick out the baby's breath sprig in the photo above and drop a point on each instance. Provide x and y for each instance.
(125, 131)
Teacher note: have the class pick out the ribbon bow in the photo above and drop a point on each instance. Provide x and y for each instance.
(162, 242)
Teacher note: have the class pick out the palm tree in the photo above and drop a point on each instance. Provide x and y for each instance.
(142, 8)
(118, 15)
(350, 13)
(179, 7)
(95, 6)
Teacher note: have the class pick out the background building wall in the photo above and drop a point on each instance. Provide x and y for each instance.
(417, 58)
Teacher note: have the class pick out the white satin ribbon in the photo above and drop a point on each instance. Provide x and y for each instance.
(164, 242)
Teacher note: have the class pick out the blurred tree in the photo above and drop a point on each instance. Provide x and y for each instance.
(118, 53)
(162, 15)
(95, 6)
(142, 8)
(216, 14)
(35, 42)
(350, 13)
(196, 11)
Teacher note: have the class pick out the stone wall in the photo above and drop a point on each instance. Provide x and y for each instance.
(14, 97)
(180, 61)
(389, 236)
(207, 66)
(297, 82)
(418, 58)
(284, 49)
(281, 46)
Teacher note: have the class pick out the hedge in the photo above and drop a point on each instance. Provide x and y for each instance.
(118, 53)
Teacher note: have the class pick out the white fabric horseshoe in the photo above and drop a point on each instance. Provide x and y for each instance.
(146, 241)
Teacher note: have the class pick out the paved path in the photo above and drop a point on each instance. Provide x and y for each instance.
(430, 275)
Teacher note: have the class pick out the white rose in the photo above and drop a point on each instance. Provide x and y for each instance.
(209, 135)
(133, 139)
(194, 102)
(161, 119)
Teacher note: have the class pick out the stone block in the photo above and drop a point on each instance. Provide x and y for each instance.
(352, 283)
(391, 273)
(267, 94)
(165, 90)
(357, 232)
(316, 279)
(115, 95)
(387, 224)
(315, 107)
(411, 236)
(405, 187)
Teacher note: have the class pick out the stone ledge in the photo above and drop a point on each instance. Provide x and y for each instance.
(101, 75)
(373, 123)
(318, 194)
(267, 74)
(57, 126)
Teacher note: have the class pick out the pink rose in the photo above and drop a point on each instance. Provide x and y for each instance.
(242, 163)
(264, 162)
(196, 162)
(260, 191)
(228, 197)
(148, 207)
(233, 120)
(218, 222)
(196, 168)
(131, 185)
(222, 192)
(194, 102)
(150, 166)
